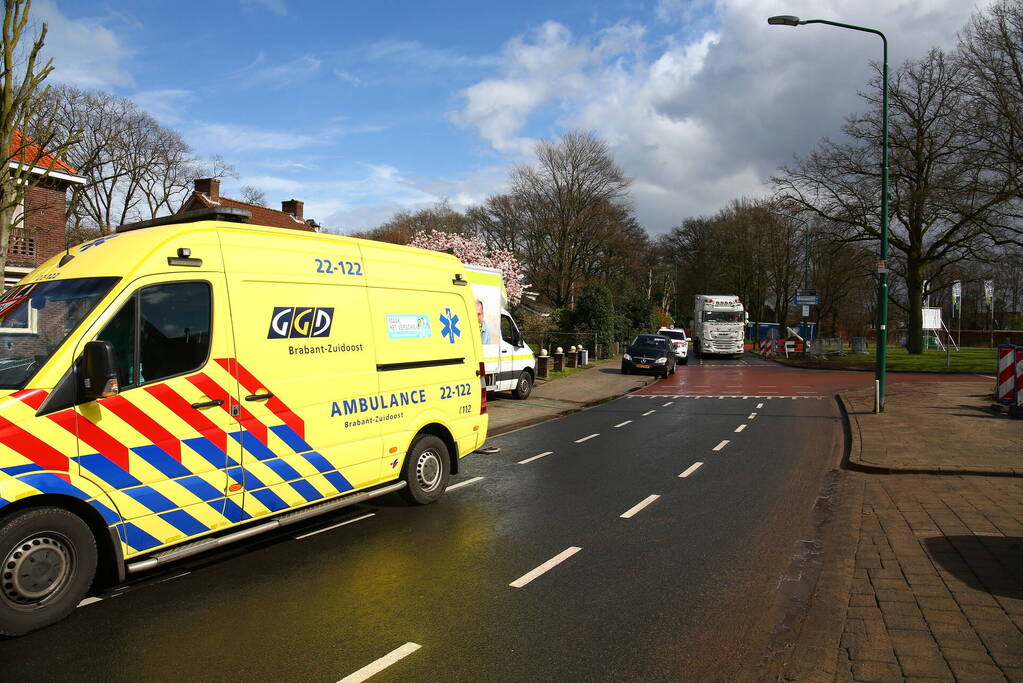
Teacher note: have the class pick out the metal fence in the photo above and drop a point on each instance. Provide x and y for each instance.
(826, 346)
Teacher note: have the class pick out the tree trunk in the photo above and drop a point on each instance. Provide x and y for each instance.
(915, 291)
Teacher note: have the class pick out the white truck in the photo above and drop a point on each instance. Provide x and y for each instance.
(719, 324)
(509, 362)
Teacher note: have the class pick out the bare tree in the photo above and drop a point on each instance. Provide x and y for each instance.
(134, 167)
(253, 195)
(29, 136)
(575, 198)
(992, 49)
(403, 224)
(946, 203)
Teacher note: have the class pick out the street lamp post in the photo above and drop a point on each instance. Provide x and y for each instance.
(882, 267)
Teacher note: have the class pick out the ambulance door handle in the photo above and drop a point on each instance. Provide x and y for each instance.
(208, 404)
(258, 397)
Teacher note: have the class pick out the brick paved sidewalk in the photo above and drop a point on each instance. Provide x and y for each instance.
(937, 589)
(923, 562)
(939, 426)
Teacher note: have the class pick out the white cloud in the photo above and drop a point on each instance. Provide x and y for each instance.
(85, 52)
(709, 112)
(258, 73)
(221, 138)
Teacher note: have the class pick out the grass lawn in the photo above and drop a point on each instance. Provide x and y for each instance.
(982, 361)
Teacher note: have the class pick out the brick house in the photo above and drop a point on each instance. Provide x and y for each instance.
(42, 235)
(207, 195)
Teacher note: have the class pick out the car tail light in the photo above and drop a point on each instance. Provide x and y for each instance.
(483, 389)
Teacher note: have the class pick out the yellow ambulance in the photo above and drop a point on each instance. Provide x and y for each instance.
(194, 380)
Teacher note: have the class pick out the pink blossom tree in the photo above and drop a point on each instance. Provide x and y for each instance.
(472, 251)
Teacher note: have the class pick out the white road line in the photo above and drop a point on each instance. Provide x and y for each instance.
(545, 567)
(720, 445)
(464, 483)
(692, 468)
(668, 404)
(379, 665)
(347, 521)
(649, 412)
(752, 416)
(587, 438)
(740, 428)
(639, 506)
(622, 424)
(535, 457)
(759, 406)
(89, 601)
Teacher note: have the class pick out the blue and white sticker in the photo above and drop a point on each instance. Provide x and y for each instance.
(408, 326)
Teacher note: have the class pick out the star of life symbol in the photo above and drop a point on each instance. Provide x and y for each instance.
(96, 243)
(449, 325)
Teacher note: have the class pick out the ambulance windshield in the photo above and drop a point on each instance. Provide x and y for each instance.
(35, 320)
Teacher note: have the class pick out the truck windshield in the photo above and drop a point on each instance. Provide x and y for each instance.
(35, 320)
(722, 317)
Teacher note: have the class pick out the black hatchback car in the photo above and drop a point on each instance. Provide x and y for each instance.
(649, 353)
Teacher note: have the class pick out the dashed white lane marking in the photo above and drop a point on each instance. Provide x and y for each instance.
(740, 428)
(373, 668)
(89, 601)
(545, 567)
(535, 457)
(649, 412)
(720, 445)
(464, 483)
(622, 424)
(587, 438)
(668, 404)
(350, 521)
(639, 506)
(692, 468)
(759, 406)
(752, 416)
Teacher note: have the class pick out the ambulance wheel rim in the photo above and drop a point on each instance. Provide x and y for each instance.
(36, 568)
(428, 470)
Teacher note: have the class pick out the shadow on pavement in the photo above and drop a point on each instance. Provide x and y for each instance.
(993, 564)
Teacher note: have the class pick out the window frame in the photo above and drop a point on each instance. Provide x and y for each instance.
(135, 299)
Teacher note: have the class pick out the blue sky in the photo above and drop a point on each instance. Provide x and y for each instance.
(361, 109)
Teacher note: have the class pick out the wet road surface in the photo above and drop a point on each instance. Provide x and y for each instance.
(642, 539)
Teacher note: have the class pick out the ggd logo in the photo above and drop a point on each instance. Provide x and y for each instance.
(294, 322)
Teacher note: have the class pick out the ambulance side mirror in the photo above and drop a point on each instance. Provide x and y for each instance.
(98, 371)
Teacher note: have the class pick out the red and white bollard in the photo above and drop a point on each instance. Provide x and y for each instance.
(1005, 384)
(766, 348)
(1019, 381)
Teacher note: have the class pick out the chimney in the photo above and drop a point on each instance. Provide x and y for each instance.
(209, 187)
(294, 207)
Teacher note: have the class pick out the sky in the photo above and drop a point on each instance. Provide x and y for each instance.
(364, 109)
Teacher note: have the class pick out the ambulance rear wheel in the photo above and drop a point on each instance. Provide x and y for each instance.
(427, 469)
(524, 386)
(49, 560)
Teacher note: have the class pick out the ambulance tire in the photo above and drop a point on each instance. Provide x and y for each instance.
(524, 386)
(427, 469)
(49, 560)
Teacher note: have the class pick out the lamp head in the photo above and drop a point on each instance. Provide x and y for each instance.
(783, 20)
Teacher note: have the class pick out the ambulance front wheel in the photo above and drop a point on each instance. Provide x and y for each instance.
(49, 560)
(427, 468)
(524, 386)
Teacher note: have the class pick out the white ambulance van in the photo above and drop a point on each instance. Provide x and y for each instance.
(192, 381)
(510, 364)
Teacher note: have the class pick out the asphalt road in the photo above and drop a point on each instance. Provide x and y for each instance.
(635, 587)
